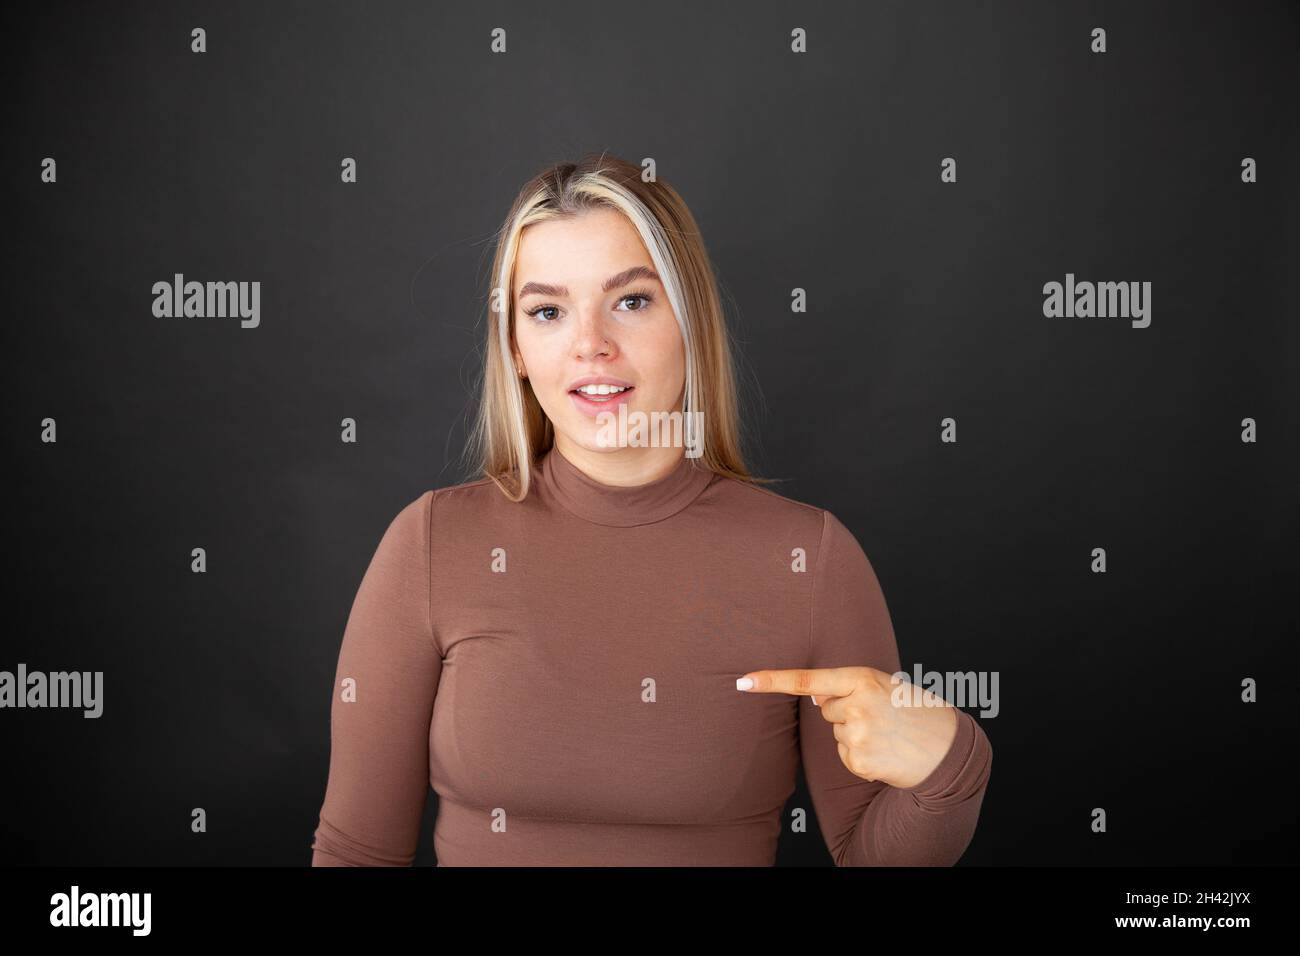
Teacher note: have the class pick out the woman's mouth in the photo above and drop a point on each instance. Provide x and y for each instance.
(594, 399)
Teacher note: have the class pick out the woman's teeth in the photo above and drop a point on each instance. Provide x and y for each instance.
(599, 392)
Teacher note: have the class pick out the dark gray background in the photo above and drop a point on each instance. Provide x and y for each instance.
(819, 171)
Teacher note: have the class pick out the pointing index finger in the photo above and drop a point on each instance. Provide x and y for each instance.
(815, 681)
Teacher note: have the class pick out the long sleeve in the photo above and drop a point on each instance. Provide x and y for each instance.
(384, 688)
(869, 823)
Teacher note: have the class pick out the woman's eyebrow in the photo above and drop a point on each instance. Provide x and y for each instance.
(613, 282)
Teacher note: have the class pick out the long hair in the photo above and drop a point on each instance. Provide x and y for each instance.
(511, 431)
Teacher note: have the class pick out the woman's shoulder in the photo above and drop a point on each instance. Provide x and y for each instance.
(763, 507)
(465, 491)
(472, 501)
(782, 517)
(463, 496)
(478, 495)
(760, 497)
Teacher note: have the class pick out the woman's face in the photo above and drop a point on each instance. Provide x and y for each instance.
(589, 306)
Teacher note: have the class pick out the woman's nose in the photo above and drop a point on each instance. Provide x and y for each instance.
(592, 336)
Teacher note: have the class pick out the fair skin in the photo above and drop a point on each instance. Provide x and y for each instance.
(599, 309)
(894, 733)
(580, 328)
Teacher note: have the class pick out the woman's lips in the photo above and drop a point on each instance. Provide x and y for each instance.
(592, 407)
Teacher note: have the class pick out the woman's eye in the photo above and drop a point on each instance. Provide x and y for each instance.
(541, 312)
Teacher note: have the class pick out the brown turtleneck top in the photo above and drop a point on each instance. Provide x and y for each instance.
(562, 672)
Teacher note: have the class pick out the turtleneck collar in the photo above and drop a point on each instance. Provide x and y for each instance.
(621, 506)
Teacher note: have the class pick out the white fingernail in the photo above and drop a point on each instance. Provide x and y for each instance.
(744, 683)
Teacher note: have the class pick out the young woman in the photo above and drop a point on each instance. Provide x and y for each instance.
(615, 649)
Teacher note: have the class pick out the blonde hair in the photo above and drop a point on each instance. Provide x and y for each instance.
(511, 431)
